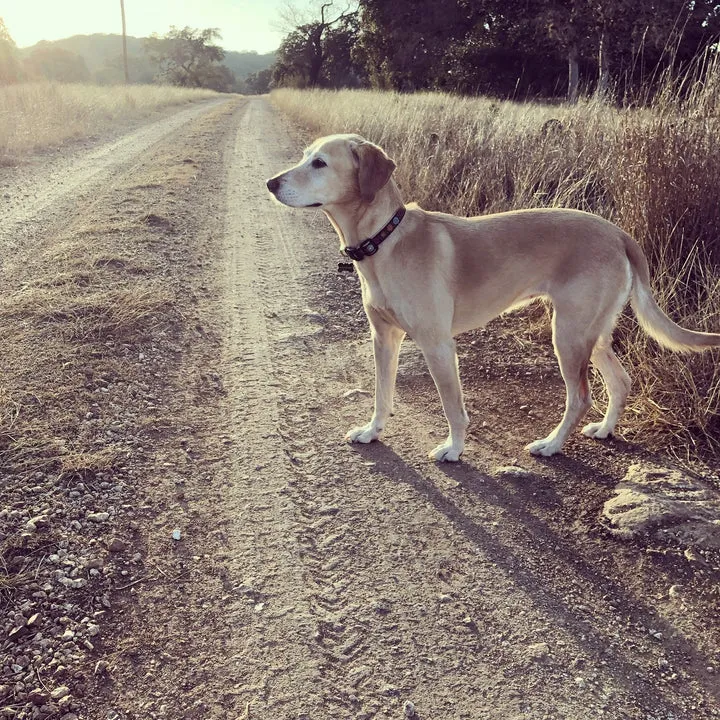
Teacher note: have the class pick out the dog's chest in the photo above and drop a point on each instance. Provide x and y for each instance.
(382, 305)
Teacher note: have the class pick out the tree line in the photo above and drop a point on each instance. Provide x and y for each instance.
(526, 48)
(521, 49)
(183, 56)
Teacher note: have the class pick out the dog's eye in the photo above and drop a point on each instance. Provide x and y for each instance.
(318, 163)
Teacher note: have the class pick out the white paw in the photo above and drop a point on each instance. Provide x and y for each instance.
(597, 431)
(364, 434)
(545, 447)
(446, 452)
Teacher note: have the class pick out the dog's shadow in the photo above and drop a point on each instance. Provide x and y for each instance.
(461, 492)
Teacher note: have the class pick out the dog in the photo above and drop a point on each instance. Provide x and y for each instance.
(431, 276)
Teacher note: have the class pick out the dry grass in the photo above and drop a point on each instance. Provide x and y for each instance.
(74, 314)
(654, 171)
(34, 116)
(62, 331)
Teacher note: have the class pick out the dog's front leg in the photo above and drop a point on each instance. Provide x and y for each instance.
(443, 364)
(386, 348)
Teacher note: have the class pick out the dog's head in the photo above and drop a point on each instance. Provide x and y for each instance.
(335, 170)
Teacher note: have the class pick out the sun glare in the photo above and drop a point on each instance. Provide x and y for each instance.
(30, 22)
(243, 25)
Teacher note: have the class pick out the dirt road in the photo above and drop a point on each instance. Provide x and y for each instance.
(264, 569)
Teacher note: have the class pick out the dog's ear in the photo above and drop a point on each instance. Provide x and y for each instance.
(374, 169)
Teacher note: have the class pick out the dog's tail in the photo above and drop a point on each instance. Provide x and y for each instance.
(651, 318)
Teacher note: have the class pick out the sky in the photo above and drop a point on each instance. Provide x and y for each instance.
(243, 24)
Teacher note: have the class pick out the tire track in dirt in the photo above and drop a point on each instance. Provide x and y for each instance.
(349, 579)
(259, 266)
(270, 265)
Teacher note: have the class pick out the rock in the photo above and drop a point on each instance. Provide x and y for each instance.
(409, 710)
(98, 516)
(116, 545)
(694, 557)
(667, 504)
(17, 633)
(93, 630)
(537, 652)
(512, 471)
(39, 522)
(60, 692)
(38, 696)
(356, 393)
(315, 317)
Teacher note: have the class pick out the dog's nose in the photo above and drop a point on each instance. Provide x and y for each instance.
(273, 185)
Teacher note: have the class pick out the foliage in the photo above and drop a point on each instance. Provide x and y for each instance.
(10, 68)
(54, 63)
(188, 58)
(545, 48)
(319, 53)
(258, 83)
(403, 45)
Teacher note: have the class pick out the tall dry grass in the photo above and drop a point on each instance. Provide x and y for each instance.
(34, 116)
(654, 171)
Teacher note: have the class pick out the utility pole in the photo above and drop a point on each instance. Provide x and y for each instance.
(125, 65)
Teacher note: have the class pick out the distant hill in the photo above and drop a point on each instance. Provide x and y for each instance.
(103, 58)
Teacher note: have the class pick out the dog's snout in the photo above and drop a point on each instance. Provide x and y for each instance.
(273, 184)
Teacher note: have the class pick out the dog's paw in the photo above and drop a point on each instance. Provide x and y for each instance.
(364, 434)
(446, 453)
(545, 447)
(597, 431)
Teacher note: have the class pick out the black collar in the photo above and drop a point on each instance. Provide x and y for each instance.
(371, 246)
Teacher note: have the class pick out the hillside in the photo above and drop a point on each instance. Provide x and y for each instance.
(103, 57)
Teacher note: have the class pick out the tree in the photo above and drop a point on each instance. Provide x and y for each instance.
(495, 51)
(258, 83)
(10, 67)
(54, 63)
(403, 42)
(527, 47)
(188, 58)
(307, 51)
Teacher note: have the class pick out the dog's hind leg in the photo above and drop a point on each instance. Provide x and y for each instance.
(617, 383)
(386, 348)
(572, 348)
(443, 365)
